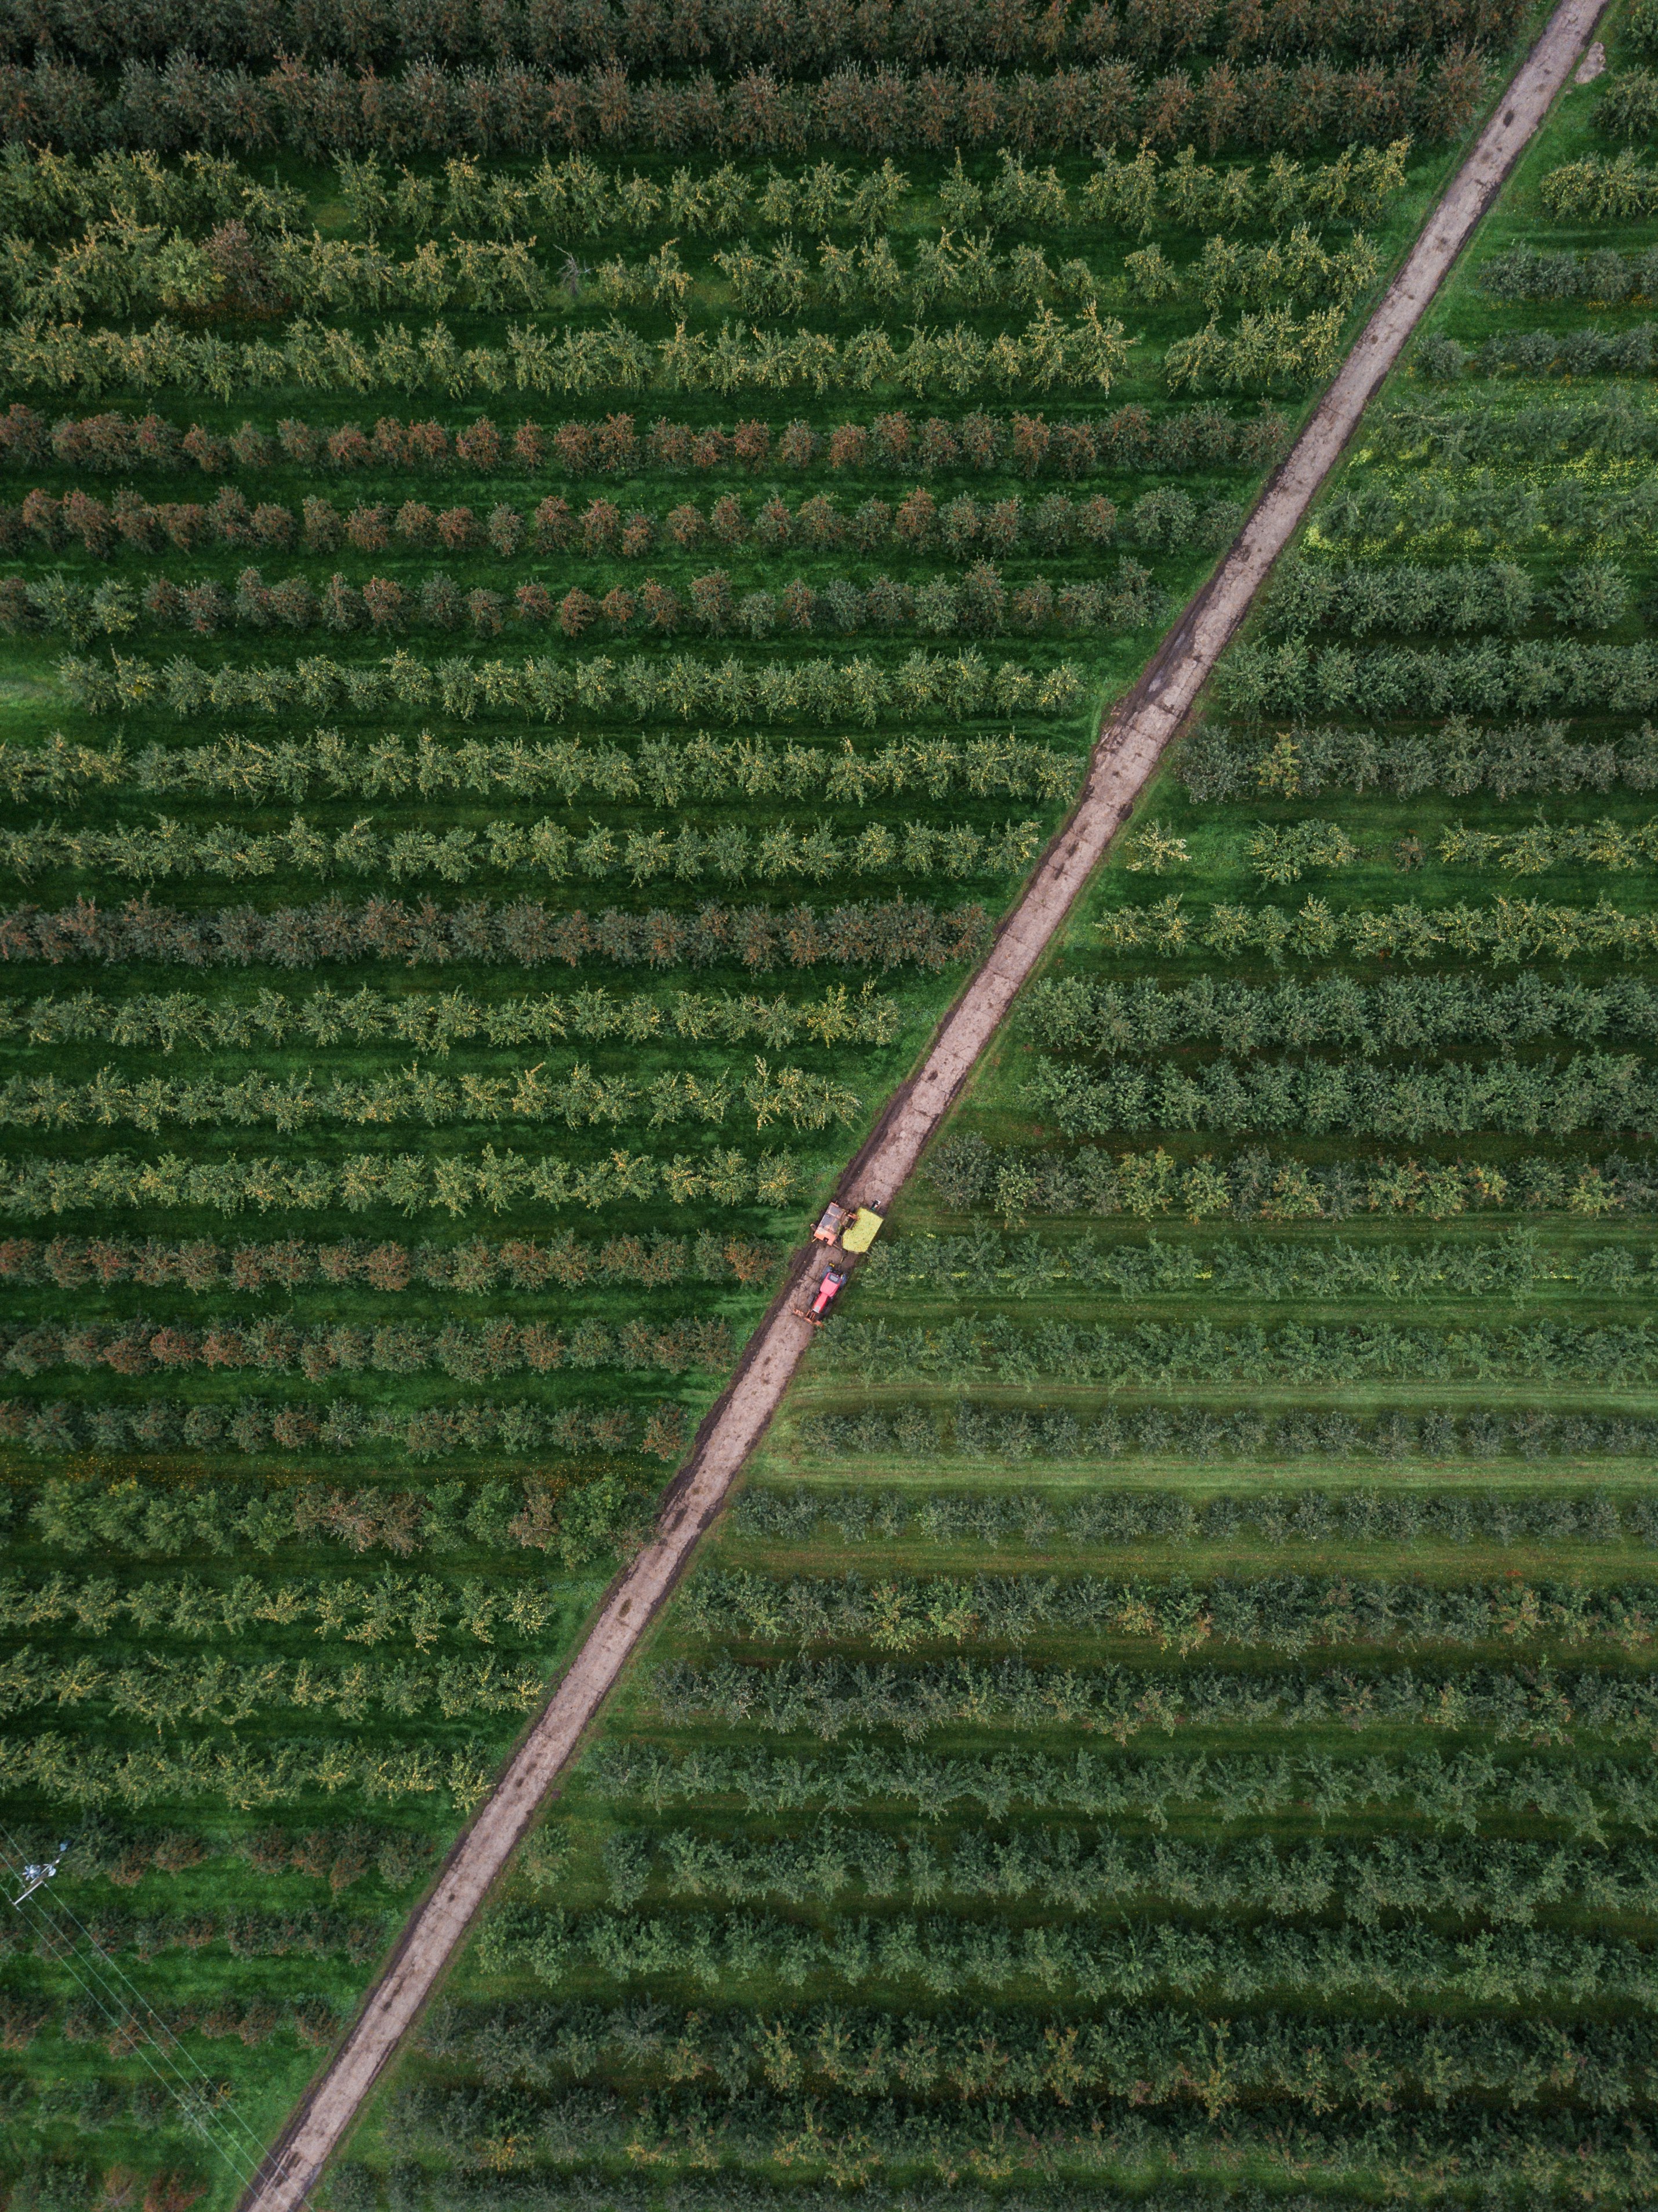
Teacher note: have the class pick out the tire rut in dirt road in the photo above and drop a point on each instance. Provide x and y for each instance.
(1129, 748)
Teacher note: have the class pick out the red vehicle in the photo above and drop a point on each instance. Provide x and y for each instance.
(828, 1290)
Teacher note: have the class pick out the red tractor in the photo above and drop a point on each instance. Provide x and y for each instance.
(829, 1289)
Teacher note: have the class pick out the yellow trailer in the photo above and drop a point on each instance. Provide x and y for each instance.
(860, 1232)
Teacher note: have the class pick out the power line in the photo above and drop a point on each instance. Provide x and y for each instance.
(201, 2106)
(155, 2047)
(114, 1994)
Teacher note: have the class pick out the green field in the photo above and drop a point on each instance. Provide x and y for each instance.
(1168, 1719)
(554, 581)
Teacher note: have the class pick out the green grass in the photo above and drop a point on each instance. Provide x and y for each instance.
(788, 2068)
(72, 2102)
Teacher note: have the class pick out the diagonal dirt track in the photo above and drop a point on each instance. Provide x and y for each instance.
(1129, 748)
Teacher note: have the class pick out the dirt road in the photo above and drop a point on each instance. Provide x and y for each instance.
(1128, 751)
